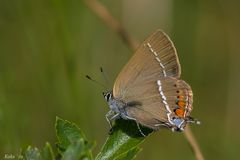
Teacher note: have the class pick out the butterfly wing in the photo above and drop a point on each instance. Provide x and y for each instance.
(162, 100)
(156, 59)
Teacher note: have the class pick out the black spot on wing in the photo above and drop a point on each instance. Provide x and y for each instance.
(134, 103)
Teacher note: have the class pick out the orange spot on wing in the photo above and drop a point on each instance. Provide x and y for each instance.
(181, 104)
(179, 112)
(180, 97)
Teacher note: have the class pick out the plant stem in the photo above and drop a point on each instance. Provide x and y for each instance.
(101, 11)
(193, 143)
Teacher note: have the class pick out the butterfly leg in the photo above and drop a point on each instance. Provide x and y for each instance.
(138, 126)
(140, 129)
(110, 116)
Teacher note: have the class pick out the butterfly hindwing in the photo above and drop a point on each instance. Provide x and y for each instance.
(158, 108)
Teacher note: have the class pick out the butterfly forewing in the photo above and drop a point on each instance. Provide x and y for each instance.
(155, 58)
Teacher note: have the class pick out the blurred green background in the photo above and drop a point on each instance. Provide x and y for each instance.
(47, 47)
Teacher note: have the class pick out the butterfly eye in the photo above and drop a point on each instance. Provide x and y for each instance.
(108, 96)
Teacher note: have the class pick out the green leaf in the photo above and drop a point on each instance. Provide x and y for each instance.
(125, 137)
(78, 150)
(32, 154)
(75, 150)
(47, 153)
(72, 143)
(129, 155)
(67, 133)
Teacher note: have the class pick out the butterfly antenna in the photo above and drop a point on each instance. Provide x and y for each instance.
(104, 75)
(93, 80)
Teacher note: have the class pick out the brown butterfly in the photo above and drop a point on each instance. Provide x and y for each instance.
(149, 90)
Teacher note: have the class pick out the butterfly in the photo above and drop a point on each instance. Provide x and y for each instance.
(149, 90)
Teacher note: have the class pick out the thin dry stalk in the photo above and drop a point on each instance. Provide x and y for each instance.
(101, 11)
(193, 143)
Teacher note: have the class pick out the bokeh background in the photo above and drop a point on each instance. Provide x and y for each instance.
(47, 47)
